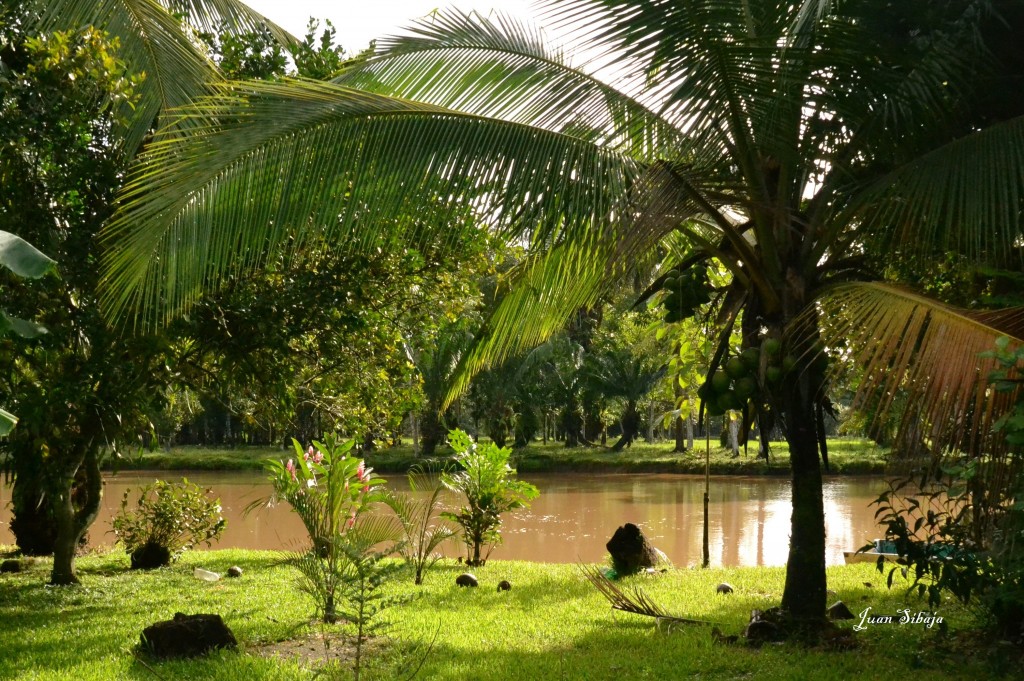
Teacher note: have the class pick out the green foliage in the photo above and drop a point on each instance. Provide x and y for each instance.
(172, 517)
(259, 54)
(357, 577)
(965, 536)
(319, 58)
(329, 490)
(422, 525)
(84, 384)
(21, 258)
(485, 481)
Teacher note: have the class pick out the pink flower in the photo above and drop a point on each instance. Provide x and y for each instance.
(290, 467)
(366, 488)
(351, 521)
(309, 454)
(318, 456)
(361, 471)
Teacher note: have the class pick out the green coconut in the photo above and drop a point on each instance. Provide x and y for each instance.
(736, 368)
(773, 375)
(720, 382)
(729, 400)
(746, 388)
(751, 358)
(772, 346)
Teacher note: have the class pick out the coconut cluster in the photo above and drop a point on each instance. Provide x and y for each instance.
(739, 378)
(685, 291)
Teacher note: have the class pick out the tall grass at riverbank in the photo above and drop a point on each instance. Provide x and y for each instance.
(551, 625)
(847, 456)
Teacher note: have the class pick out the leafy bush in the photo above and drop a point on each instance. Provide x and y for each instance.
(965, 535)
(486, 483)
(168, 518)
(422, 523)
(330, 491)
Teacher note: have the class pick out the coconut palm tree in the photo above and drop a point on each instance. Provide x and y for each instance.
(794, 143)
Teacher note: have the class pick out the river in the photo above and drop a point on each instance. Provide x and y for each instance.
(573, 517)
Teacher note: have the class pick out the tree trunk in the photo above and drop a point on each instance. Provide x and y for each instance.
(650, 421)
(689, 425)
(677, 422)
(630, 427)
(72, 522)
(804, 593)
(734, 433)
(32, 521)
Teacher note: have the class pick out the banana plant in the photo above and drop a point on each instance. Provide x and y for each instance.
(24, 260)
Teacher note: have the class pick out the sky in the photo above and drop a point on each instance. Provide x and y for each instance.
(360, 21)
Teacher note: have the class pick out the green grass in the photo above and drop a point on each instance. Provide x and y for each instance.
(551, 625)
(847, 456)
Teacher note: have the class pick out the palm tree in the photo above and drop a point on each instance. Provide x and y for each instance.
(793, 143)
(619, 373)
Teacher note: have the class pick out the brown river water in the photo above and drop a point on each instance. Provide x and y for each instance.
(573, 517)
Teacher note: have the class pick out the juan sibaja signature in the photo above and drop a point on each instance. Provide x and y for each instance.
(928, 619)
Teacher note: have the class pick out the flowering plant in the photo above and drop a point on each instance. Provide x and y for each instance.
(330, 490)
(326, 487)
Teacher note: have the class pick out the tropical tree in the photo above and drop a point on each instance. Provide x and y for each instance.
(618, 373)
(83, 84)
(798, 144)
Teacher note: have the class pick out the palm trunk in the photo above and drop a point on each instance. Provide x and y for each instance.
(804, 593)
(72, 522)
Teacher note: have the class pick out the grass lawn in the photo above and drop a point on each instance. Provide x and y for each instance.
(551, 625)
(846, 456)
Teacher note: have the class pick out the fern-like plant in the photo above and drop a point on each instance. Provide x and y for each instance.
(422, 523)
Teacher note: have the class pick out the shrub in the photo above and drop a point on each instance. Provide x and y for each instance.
(967, 537)
(486, 483)
(330, 491)
(423, 526)
(168, 518)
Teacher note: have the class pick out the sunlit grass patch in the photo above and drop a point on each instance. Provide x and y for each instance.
(552, 624)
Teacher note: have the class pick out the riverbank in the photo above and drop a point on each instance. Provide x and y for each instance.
(847, 456)
(552, 624)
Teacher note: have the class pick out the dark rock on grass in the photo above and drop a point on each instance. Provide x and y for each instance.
(504, 585)
(187, 636)
(150, 556)
(768, 626)
(630, 550)
(466, 579)
(839, 611)
(234, 571)
(724, 588)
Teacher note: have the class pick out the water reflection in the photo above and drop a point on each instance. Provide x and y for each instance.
(574, 515)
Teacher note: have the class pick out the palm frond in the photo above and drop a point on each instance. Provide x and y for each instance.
(153, 42)
(502, 68)
(635, 600)
(966, 196)
(264, 163)
(930, 353)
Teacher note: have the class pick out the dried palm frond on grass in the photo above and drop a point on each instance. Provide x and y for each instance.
(635, 601)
